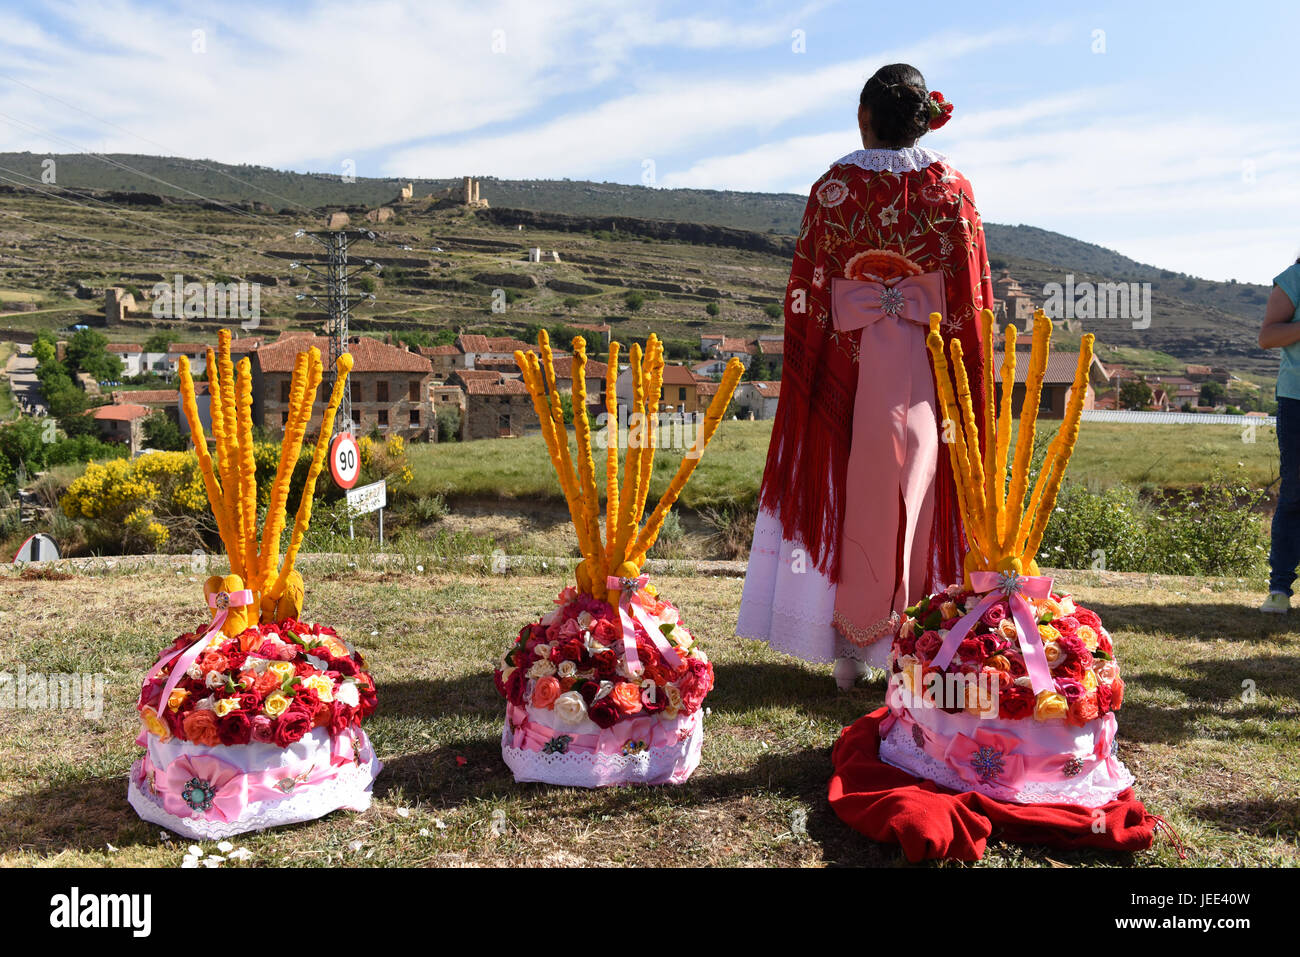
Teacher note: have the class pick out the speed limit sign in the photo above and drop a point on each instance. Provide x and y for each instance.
(345, 460)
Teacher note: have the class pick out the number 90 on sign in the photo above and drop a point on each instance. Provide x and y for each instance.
(345, 460)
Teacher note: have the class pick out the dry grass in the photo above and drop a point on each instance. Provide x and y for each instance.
(1221, 769)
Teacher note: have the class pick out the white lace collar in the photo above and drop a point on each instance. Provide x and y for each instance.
(909, 159)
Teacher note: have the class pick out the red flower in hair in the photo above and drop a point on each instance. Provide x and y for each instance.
(940, 110)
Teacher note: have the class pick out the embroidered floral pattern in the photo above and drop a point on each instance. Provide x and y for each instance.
(832, 192)
(868, 635)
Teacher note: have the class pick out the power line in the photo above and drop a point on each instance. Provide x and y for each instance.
(130, 169)
(145, 139)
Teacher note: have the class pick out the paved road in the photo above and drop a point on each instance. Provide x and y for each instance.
(21, 369)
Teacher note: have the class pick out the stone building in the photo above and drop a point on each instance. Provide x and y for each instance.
(118, 304)
(495, 405)
(1016, 305)
(122, 423)
(757, 400)
(1058, 382)
(680, 392)
(389, 386)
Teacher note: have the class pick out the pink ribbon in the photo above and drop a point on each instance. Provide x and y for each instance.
(1014, 588)
(200, 785)
(629, 610)
(181, 660)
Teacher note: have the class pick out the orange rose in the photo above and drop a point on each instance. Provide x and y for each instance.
(627, 697)
(266, 683)
(250, 640)
(1083, 710)
(566, 684)
(998, 663)
(201, 727)
(546, 691)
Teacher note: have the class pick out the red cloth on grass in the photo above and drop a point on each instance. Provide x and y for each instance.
(892, 806)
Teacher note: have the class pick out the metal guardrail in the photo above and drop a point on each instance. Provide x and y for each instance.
(1175, 418)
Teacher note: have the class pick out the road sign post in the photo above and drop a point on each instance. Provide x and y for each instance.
(366, 499)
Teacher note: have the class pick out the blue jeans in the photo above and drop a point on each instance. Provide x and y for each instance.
(1285, 552)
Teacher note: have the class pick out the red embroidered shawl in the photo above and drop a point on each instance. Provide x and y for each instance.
(929, 216)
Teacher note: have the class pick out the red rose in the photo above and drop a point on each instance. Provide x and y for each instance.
(1104, 698)
(1015, 702)
(235, 728)
(994, 614)
(341, 718)
(1066, 625)
(605, 712)
(570, 650)
(1116, 694)
(1104, 645)
(606, 665)
(928, 645)
(1086, 617)
(905, 645)
(292, 725)
(695, 684)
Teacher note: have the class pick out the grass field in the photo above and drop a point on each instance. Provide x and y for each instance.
(1217, 763)
(1156, 456)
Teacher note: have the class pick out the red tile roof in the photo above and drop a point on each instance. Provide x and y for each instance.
(121, 413)
(368, 355)
(595, 368)
(771, 347)
(148, 396)
(769, 390)
(123, 347)
(476, 344)
(679, 375)
(490, 383)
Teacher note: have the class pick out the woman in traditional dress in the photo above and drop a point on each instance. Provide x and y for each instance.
(858, 508)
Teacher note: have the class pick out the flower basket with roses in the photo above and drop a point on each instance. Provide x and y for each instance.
(254, 718)
(608, 687)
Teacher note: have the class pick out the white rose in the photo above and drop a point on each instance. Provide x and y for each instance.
(205, 704)
(1067, 605)
(541, 668)
(567, 669)
(258, 665)
(194, 671)
(347, 694)
(585, 620)
(570, 707)
(215, 680)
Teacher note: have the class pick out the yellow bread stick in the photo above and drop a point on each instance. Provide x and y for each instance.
(230, 432)
(237, 619)
(211, 484)
(631, 492)
(611, 453)
(248, 473)
(555, 436)
(952, 421)
(645, 541)
(307, 375)
(1068, 435)
(585, 545)
(654, 377)
(586, 463)
(988, 439)
(975, 465)
(1028, 426)
(342, 366)
(1003, 442)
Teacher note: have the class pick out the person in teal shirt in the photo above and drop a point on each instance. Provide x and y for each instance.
(1282, 331)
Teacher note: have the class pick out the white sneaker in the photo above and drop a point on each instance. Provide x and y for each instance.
(1277, 603)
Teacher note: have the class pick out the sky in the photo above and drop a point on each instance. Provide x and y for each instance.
(1166, 131)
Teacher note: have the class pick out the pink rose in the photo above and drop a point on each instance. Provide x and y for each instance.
(994, 614)
(928, 645)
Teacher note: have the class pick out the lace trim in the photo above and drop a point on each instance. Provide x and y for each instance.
(1096, 789)
(868, 635)
(349, 790)
(662, 765)
(907, 160)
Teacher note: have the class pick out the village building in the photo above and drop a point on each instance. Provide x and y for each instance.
(122, 423)
(1011, 304)
(594, 374)
(388, 386)
(444, 359)
(1058, 382)
(757, 400)
(680, 390)
(496, 406)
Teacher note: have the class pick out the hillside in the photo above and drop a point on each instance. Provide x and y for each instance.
(133, 219)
